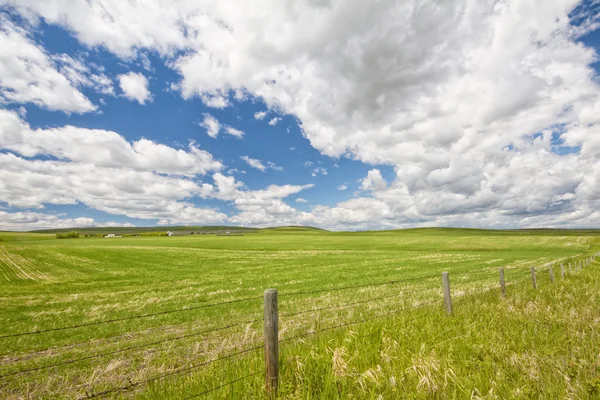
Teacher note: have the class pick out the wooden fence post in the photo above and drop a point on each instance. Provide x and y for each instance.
(502, 284)
(533, 279)
(562, 271)
(271, 332)
(551, 271)
(447, 298)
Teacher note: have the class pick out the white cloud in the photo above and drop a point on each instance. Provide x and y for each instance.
(212, 126)
(274, 166)
(234, 132)
(456, 123)
(102, 170)
(319, 170)
(101, 148)
(274, 121)
(373, 181)
(135, 87)
(29, 75)
(215, 101)
(254, 163)
(342, 187)
(27, 221)
(259, 165)
(79, 74)
(260, 114)
(301, 200)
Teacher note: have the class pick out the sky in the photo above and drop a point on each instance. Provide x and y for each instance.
(343, 115)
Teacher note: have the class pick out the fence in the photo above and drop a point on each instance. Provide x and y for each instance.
(272, 337)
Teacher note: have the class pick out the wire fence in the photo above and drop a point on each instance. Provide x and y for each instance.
(406, 298)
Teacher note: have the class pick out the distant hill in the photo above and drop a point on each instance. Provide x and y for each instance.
(293, 228)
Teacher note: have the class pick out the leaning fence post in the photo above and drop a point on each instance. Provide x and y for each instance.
(271, 328)
(447, 299)
(551, 271)
(533, 279)
(502, 285)
(562, 271)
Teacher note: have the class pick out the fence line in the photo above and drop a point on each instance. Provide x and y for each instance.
(394, 282)
(133, 385)
(268, 339)
(346, 305)
(141, 346)
(223, 385)
(25, 356)
(109, 321)
(358, 322)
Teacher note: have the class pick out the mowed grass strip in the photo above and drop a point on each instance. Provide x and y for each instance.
(93, 280)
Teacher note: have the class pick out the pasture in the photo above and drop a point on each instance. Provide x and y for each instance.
(147, 315)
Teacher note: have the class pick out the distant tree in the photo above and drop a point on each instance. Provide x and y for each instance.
(68, 235)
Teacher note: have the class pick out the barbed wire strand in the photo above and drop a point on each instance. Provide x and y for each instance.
(359, 321)
(223, 385)
(141, 346)
(357, 286)
(345, 305)
(90, 342)
(172, 373)
(108, 321)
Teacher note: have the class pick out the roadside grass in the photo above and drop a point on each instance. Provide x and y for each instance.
(480, 351)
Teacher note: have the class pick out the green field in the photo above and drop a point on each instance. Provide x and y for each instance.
(533, 344)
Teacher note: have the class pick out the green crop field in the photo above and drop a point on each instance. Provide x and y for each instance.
(375, 298)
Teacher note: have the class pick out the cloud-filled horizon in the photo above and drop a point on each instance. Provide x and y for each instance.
(339, 115)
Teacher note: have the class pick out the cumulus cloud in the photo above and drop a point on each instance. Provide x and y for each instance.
(465, 100)
(254, 163)
(135, 87)
(80, 74)
(234, 132)
(215, 101)
(105, 149)
(102, 170)
(342, 187)
(260, 114)
(259, 165)
(274, 121)
(28, 221)
(319, 170)
(373, 181)
(301, 200)
(29, 75)
(212, 126)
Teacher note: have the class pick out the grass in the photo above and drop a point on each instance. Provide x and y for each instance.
(533, 344)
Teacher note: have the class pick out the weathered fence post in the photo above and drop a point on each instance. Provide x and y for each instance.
(502, 284)
(533, 279)
(271, 325)
(551, 271)
(447, 299)
(562, 271)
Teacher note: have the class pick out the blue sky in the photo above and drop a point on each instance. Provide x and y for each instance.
(367, 125)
